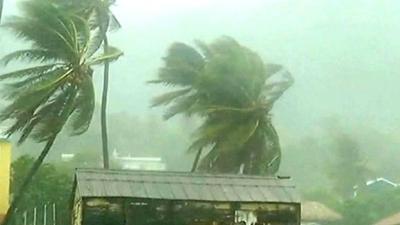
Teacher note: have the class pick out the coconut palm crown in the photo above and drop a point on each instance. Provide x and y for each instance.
(58, 87)
(100, 20)
(233, 91)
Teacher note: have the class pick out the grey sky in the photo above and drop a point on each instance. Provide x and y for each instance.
(343, 54)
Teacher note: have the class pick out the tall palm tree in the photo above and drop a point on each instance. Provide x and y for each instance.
(232, 89)
(56, 91)
(101, 20)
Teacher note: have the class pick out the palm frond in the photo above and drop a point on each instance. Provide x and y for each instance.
(180, 53)
(272, 69)
(54, 114)
(42, 36)
(238, 136)
(84, 108)
(35, 83)
(32, 71)
(274, 90)
(205, 50)
(200, 143)
(30, 55)
(168, 97)
(182, 66)
(94, 42)
(23, 107)
(185, 105)
(179, 75)
(114, 23)
(110, 55)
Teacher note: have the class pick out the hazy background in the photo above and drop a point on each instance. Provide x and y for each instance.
(344, 56)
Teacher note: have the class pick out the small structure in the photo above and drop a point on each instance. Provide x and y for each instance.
(66, 157)
(391, 220)
(378, 185)
(317, 213)
(381, 183)
(121, 197)
(139, 163)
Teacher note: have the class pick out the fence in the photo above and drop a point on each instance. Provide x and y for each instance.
(46, 214)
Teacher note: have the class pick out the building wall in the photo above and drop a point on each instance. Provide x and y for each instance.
(5, 162)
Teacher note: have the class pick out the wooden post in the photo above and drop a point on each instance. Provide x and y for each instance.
(45, 214)
(54, 213)
(25, 217)
(34, 216)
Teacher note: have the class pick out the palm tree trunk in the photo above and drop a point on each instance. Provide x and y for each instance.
(1, 9)
(196, 160)
(104, 135)
(18, 196)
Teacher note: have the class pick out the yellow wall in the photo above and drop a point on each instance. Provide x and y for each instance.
(5, 162)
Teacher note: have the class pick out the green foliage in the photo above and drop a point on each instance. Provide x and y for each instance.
(229, 86)
(50, 185)
(59, 89)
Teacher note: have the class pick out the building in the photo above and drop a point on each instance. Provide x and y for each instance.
(381, 183)
(5, 163)
(126, 162)
(139, 163)
(116, 197)
(378, 185)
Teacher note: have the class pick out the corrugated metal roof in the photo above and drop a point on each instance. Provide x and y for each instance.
(183, 186)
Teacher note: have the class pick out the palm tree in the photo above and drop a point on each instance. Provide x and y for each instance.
(232, 89)
(56, 92)
(101, 19)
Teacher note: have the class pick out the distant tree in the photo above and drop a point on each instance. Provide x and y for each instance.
(232, 90)
(58, 89)
(348, 168)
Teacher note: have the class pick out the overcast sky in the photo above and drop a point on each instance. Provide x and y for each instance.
(344, 55)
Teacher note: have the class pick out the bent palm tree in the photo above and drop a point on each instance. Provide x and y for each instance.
(59, 90)
(231, 88)
(101, 20)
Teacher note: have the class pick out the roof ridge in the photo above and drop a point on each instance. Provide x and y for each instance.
(179, 182)
(172, 173)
